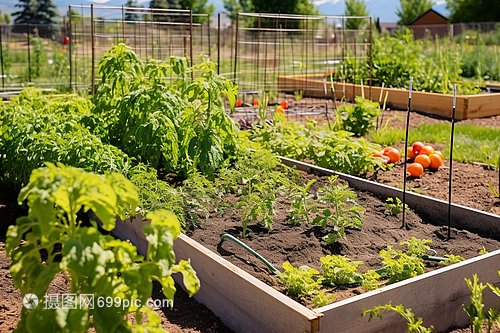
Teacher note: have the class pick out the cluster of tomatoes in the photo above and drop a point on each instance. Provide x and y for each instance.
(423, 157)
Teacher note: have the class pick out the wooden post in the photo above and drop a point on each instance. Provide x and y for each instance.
(218, 44)
(69, 43)
(236, 46)
(209, 45)
(191, 41)
(93, 46)
(258, 54)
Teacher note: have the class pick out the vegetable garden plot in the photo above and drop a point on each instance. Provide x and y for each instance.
(468, 106)
(241, 299)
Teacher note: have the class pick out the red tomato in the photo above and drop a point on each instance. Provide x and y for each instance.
(417, 147)
(238, 103)
(386, 150)
(284, 105)
(415, 169)
(377, 155)
(255, 102)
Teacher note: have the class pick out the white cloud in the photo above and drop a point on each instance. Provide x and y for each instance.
(322, 2)
(440, 2)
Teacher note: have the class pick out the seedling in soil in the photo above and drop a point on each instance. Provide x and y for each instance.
(300, 209)
(452, 259)
(400, 266)
(259, 202)
(413, 325)
(493, 190)
(300, 281)
(395, 207)
(345, 213)
(339, 270)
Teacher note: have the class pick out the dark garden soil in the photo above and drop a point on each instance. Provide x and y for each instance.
(301, 244)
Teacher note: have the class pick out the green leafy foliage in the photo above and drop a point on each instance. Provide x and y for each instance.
(36, 128)
(322, 300)
(300, 207)
(98, 264)
(417, 247)
(395, 206)
(177, 125)
(414, 325)
(334, 150)
(370, 280)
(259, 202)
(345, 213)
(339, 270)
(359, 118)
(475, 309)
(300, 281)
(399, 265)
(452, 259)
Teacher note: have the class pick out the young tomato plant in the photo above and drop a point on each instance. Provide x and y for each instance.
(400, 266)
(395, 207)
(300, 208)
(339, 270)
(98, 265)
(346, 212)
(414, 325)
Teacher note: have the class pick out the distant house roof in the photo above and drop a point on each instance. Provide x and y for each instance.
(430, 17)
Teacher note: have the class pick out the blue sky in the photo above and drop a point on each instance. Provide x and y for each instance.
(384, 9)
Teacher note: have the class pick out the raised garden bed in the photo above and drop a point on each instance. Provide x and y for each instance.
(245, 304)
(467, 106)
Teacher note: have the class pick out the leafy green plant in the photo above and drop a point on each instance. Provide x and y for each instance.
(259, 202)
(475, 309)
(452, 259)
(370, 280)
(339, 270)
(298, 95)
(359, 118)
(346, 212)
(414, 325)
(322, 300)
(98, 265)
(300, 281)
(399, 265)
(300, 207)
(417, 247)
(395, 208)
(483, 251)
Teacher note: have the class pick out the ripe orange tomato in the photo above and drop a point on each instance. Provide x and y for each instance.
(255, 102)
(377, 155)
(238, 103)
(386, 150)
(279, 109)
(394, 155)
(440, 154)
(424, 160)
(284, 105)
(426, 150)
(410, 153)
(415, 169)
(436, 161)
(417, 147)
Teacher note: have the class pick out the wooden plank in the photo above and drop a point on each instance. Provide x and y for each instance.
(242, 302)
(485, 105)
(467, 106)
(436, 296)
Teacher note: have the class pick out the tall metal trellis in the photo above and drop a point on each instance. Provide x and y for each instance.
(152, 34)
(290, 54)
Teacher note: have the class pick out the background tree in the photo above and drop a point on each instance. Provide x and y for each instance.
(45, 13)
(411, 9)
(130, 15)
(5, 18)
(473, 10)
(356, 8)
(233, 7)
(26, 12)
(198, 7)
